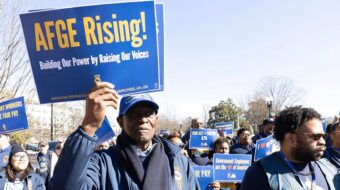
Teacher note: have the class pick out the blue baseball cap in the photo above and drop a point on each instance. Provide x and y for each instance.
(128, 101)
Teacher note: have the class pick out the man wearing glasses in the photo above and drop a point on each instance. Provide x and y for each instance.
(298, 165)
(140, 159)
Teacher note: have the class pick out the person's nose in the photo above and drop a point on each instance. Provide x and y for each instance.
(321, 141)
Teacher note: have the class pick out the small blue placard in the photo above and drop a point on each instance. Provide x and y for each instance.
(13, 115)
(230, 167)
(202, 138)
(265, 147)
(71, 48)
(324, 124)
(226, 127)
(105, 132)
(204, 176)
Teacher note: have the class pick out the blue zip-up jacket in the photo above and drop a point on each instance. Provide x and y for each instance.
(79, 167)
(32, 182)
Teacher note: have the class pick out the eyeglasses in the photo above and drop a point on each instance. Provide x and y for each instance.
(315, 136)
(336, 132)
(245, 134)
(20, 157)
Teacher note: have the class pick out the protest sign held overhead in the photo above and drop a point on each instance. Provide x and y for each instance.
(225, 127)
(13, 115)
(202, 138)
(71, 48)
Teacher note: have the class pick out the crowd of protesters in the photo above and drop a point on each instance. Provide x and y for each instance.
(140, 159)
(304, 161)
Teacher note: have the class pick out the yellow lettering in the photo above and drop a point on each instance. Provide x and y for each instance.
(115, 28)
(109, 38)
(89, 31)
(49, 34)
(124, 26)
(62, 38)
(72, 32)
(39, 37)
(99, 28)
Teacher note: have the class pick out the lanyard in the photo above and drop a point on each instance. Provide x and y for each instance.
(291, 167)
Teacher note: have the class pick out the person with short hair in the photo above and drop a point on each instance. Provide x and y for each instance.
(221, 145)
(299, 164)
(19, 173)
(47, 160)
(5, 149)
(245, 144)
(267, 127)
(198, 156)
(140, 159)
(332, 153)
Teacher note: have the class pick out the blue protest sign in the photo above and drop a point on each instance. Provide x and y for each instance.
(204, 176)
(13, 115)
(202, 138)
(105, 132)
(160, 39)
(230, 167)
(71, 48)
(324, 124)
(265, 147)
(226, 127)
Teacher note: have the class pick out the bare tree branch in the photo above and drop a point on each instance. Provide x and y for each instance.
(15, 72)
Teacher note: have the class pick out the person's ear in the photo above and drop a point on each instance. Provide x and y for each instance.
(120, 121)
(291, 139)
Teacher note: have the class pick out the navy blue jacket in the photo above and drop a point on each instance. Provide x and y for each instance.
(34, 179)
(79, 167)
(333, 156)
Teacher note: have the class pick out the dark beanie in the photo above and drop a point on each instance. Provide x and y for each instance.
(15, 149)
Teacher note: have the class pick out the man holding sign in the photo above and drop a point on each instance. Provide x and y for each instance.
(141, 160)
(298, 165)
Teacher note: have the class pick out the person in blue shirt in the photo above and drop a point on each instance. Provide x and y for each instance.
(140, 159)
(298, 165)
(268, 128)
(5, 150)
(245, 144)
(332, 153)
